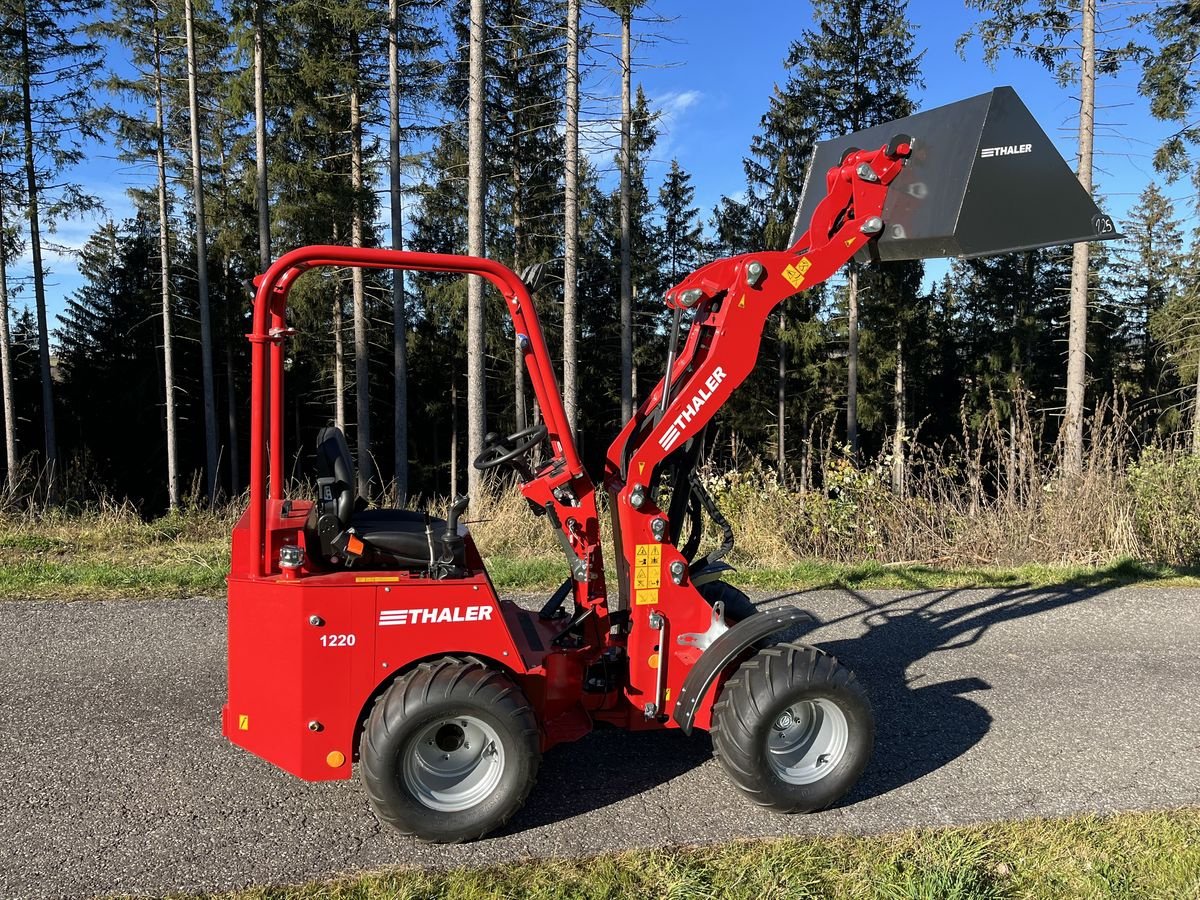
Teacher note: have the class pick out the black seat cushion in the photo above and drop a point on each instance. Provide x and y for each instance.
(400, 534)
(391, 537)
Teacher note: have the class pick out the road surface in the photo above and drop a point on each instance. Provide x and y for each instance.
(991, 704)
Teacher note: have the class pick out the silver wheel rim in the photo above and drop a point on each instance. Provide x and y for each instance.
(453, 763)
(807, 741)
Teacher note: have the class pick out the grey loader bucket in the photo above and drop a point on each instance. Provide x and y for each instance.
(983, 179)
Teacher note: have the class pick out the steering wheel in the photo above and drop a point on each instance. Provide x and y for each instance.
(498, 452)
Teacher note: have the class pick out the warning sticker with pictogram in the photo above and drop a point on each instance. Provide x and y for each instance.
(647, 571)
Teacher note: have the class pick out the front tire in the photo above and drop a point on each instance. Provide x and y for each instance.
(793, 728)
(450, 751)
(738, 605)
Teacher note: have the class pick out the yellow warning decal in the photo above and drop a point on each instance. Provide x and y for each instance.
(792, 274)
(377, 579)
(804, 265)
(646, 597)
(641, 468)
(647, 569)
(742, 302)
(850, 241)
(243, 723)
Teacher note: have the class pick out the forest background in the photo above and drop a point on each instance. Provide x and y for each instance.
(1039, 406)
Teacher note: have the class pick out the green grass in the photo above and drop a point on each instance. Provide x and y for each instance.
(111, 555)
(1135, 855)
(190, 569)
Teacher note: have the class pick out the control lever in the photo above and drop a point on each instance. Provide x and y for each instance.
(457, 508)
(578, 566)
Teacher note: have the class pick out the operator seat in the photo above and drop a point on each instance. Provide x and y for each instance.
(381, 538)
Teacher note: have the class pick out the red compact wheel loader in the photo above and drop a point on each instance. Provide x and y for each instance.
(374, 636)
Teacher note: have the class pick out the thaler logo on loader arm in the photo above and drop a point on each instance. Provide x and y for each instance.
(672, 434)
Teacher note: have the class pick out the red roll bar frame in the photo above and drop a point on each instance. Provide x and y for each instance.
(270, 329)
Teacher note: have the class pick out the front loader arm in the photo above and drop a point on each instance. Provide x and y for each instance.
(667, 619)
(733, 298)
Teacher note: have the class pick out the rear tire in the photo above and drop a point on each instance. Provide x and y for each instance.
(793, 728)
(450, 751)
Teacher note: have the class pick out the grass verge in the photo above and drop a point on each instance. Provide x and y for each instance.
(113, 554)
(1133, 855)
(188, 569)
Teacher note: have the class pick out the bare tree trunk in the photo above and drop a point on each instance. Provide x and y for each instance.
(852, 362)
(781, 399)
(571, 224)
(476, 175)
(454, 436)
(362, 347)
(399, 302)
(1077, 337)
(339, 362)
(235, 462)
(164, 251)
(6, 378)
(627, 376)
(898, 467)
(206, 365)
(806, 457)
(260, 143)
(520, 407)
(1195, 413)
(39, 279)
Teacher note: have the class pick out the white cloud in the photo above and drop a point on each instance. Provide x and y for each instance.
(600, 138)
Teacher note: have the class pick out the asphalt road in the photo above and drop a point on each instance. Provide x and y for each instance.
(991, 704)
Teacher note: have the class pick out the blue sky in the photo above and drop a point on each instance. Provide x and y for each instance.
(711, 70)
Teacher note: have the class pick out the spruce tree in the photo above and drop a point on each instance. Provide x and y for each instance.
(139, 126)
(1171, 80)
(854, 71)
(1062, 36)
(682, 234)
(1152, 262)
(53, 62)
(108, 356)
(1176, 326)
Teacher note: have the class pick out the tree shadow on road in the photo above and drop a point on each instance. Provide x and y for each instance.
(920, 727)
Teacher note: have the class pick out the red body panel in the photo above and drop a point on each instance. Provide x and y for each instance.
(310, 648)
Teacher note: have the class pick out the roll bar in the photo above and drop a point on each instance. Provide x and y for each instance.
(269, 330)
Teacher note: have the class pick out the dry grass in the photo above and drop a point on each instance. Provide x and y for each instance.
(979, 511)
(985, 499)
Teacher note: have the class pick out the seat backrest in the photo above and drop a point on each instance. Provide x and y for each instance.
(335, 466)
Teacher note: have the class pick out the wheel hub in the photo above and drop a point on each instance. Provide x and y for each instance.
(808, 740)
(453, 764)
(450, 737)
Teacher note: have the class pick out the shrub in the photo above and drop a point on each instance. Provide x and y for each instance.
(1166, 491)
